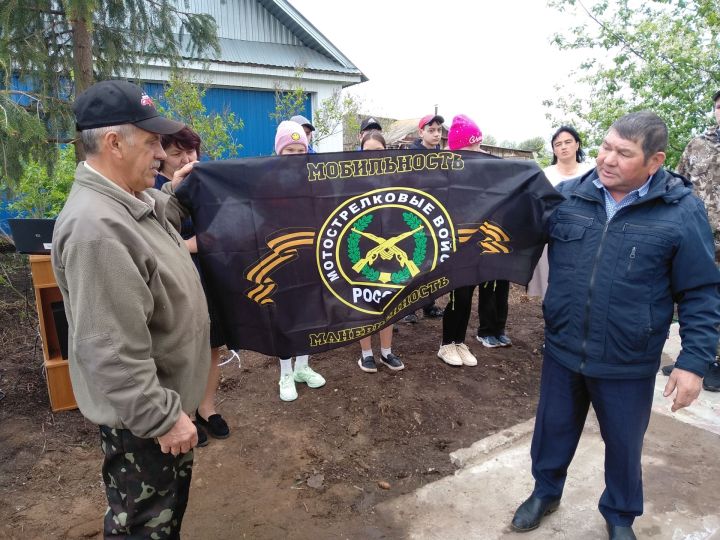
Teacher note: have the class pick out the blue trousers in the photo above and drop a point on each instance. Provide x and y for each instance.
(622, 407)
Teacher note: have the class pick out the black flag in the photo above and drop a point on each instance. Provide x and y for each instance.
(307, 253)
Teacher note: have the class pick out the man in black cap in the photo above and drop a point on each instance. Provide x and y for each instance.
(369, 124)
(137, 316)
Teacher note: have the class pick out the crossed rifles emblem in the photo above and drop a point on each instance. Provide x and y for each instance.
(387, 249)
(284, 248)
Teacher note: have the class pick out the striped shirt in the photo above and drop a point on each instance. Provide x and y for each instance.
(612, 206)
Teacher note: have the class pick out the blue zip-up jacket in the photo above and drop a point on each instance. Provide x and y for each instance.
(418, 145)
(611, 288)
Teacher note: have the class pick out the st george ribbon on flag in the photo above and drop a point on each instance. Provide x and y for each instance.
(311, 252)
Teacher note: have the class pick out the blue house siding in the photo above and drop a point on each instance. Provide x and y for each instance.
(5, 214)
(252, 106)
(23, 85)
(29, 84)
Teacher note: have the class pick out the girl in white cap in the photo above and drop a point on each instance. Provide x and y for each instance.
(290, 139)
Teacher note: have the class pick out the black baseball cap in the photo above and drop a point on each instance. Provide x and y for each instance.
(111, 103)
(370, 123)
(716, 96)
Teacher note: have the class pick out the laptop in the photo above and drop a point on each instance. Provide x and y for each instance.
(32, 236)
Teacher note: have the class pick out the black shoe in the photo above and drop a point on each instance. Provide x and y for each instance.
(367, 364)
(215, 425)
(410, 319)
(619, 532)
(202, 436)
(667, 370)
(433, 312)
(530, 513)
(711, 382)
(392, 361)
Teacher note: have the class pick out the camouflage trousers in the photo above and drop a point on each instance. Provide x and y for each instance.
(147, 490)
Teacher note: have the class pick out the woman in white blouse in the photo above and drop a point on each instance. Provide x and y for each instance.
(568, 162)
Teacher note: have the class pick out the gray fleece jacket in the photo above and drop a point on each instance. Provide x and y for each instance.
(139, 346)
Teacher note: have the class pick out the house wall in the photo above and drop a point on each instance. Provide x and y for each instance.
(250, 93)
(252, 106)
(5, 214)
(250, 21)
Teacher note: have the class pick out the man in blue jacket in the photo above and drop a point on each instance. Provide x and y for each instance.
(630, 241)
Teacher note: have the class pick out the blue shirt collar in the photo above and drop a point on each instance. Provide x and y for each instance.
(612, 206)
(641, 191)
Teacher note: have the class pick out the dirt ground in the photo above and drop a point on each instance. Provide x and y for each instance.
(307, 469)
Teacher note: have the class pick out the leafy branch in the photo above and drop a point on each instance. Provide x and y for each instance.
(328, 118)
(183, 100)
(662, 55)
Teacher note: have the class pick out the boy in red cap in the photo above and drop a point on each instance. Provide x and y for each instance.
(430, 130)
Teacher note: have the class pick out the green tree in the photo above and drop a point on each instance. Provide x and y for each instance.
(535, 144)
(538, 148)
(490, 139)
(338, 111)
(661, 55)
(60, 47)
(332, 113)
(289, 97)
(42, 191)
(182, 99)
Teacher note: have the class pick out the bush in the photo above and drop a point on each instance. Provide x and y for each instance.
(40, 193)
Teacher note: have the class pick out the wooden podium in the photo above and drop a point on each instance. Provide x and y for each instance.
(56, 369)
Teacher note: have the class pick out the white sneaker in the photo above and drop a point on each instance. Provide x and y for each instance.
(468, 358)
(312, 378)
(449, 354)
(287, 388)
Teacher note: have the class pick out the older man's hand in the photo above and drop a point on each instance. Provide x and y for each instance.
(181, 438)
(181, 173)
(686, 386)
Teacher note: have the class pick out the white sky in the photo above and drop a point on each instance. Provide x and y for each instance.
(491, 60)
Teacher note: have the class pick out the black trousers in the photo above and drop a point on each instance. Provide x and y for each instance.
(457, 315)
(623, 409)
(492, 307)
(147, 490)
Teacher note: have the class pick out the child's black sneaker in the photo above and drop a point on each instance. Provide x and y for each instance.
(367, 364)
(392, 361)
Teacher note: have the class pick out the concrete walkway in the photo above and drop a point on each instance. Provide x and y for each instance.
(681, 467)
